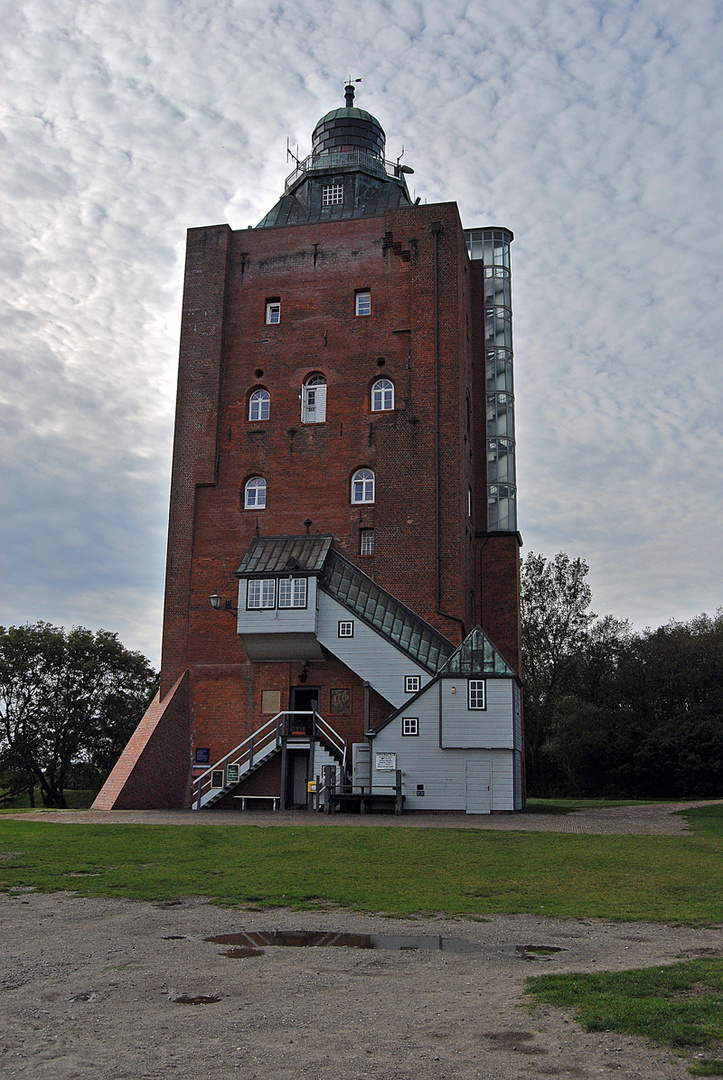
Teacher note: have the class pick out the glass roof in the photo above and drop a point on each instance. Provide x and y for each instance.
(351, 587)
(477, 656)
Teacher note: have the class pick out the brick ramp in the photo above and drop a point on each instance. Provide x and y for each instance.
(153, 771)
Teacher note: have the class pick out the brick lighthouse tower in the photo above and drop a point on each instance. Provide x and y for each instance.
(343, 491)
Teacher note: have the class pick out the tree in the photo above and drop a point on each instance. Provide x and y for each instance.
(67, 698)
(555, 602)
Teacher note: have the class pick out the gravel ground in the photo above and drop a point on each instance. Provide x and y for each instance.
(90, 988)
(661, 819)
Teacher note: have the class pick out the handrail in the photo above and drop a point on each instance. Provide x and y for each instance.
(258, 742)
(341, 158)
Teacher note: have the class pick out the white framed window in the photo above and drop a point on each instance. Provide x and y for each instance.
(410, 725)
(313, 400)
(412, 683)
(260, 593)
(362, 486)
(382, 395)
(476, 693)
(273, 312)
(345, 629)
(366, 542)
(292, 592)
(332, 194)
(260, 405)
(255, 493)
(363, 302)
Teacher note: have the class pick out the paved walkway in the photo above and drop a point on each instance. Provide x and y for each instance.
(662, 819)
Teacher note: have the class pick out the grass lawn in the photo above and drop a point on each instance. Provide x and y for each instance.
(395, 870)
(680, 1005)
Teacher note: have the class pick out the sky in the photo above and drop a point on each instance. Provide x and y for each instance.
(592, 130)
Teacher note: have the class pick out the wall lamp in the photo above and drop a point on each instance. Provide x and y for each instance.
(219, 604)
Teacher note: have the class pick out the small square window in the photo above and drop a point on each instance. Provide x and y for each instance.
(476, 690)
(366, 542)
(410, 725)
(412, 683)
(364, 302)
(273, 312)
(332, 194)
(203, 755)
(346, 629)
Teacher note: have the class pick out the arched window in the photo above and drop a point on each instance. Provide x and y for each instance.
(382, 395)
(255, 493)
(362, 486)
(260, 405)
(313, 400)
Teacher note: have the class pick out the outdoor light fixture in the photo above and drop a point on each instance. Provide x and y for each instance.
(219, 604)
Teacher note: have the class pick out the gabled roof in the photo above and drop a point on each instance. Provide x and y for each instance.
(477, 656)
(474, 658)
(285, 554)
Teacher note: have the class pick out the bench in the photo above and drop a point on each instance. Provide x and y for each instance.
(275, 799)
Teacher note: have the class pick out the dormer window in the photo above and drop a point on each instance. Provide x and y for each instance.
(332, 195)
(292, 592)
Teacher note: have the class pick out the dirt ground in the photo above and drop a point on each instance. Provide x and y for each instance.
(90, 988)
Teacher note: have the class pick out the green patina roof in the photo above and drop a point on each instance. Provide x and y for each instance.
(349, 114)
(279, 554)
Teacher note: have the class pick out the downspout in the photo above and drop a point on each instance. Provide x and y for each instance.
(436, 230)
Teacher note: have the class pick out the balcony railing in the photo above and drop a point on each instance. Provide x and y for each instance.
(354, 159)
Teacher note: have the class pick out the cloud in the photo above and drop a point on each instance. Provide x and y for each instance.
(591, 130)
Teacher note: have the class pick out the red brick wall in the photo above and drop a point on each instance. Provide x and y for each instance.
(228, 350)
(152, 773)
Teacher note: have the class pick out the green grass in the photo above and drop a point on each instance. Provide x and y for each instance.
(396, 870)
(680, 1005)
(77, 799)
(566, 806)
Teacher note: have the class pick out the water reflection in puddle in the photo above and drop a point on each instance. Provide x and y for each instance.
(251, 943)
(199, 999)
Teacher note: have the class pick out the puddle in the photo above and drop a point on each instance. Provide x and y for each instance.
(251, 943)
(200, 999)
(531, 952)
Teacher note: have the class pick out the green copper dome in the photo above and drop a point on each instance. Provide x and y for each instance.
(348, 129)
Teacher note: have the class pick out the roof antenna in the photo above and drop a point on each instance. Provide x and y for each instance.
(290, 153)
(349, 92)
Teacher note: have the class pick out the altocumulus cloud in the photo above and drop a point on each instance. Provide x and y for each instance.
(591, 130)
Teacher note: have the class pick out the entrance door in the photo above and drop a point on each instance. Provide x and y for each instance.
(298, 776)
(304, 699)
(478, 787)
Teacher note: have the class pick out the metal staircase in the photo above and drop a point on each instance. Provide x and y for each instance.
(253, 752)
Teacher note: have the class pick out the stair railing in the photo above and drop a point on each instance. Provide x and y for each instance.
(243, 754)
(258, 743)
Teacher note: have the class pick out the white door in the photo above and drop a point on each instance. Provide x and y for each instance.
(478, 787)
